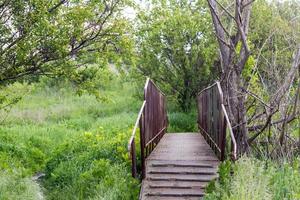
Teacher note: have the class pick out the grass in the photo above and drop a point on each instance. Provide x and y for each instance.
(182, 122)
(257, 180)
(80, 145)
(23, 188)
(78, 142)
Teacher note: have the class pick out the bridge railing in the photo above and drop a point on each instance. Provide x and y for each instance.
(213, 120)
(152, 122)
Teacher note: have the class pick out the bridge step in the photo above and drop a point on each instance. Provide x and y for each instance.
(181, 170)
(174, 184)
(192, 178)
(181, 164)
(170, 192)
(176, 170)
(172, 198)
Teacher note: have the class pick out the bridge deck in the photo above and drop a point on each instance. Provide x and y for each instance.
(179, 168)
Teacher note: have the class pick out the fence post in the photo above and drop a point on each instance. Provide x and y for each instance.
(142, 142)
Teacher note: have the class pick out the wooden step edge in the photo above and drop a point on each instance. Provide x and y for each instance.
(184, 173)
(175, 187)
(180, 179)
(182, 165)
(174, 195)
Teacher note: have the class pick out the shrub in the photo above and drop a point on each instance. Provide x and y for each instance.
(257, 180)
(182, 122)
(92, 165)
(13, 186)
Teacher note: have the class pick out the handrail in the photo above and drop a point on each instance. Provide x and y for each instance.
(148, 79)
(228, 122)
(231, 132)
(147, 83)
(211, 116)
(131, 143)
(153, 121)
(212, 85)
(158, 134)
(136, 125)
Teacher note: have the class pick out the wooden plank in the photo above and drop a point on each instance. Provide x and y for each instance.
(172, 198)
(192, 177)
(175, 192)
(180, 170)
(182, 163)
(174, 184)
(211, 119)
(179, 167)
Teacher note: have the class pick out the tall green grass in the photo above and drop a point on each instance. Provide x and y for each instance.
(14, 186)
(181, 121)
(78, 142)
(254, 179)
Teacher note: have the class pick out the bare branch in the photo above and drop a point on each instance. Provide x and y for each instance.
(256, 97)
(289, 78)
(220, 32)
(287, 119)
(50, 10)
(247, 4)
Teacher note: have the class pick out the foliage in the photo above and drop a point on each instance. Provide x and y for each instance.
(10, 95)
(80, 143)
(61, 38)
(274, 36)
(255, 179)
(91, 164)
(48, 122)
(182, 122)
(14, 186)
(176, 47)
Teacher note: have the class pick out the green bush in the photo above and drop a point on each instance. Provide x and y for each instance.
(182, 122)
(53, 131)
(89, 166)
(256, 180)
(28, 155)
(14, 186)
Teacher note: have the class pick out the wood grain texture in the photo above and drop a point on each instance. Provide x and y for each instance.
(179, 167)
(211, 121)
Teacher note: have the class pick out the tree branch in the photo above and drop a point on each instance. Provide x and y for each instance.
(50, 10)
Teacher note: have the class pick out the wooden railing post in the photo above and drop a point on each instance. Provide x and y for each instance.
(133, 159)
(223, 140)
(152, 121)
(142, 143)
(213, 119)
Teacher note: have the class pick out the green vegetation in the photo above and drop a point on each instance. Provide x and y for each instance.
(78, 142)
(182, 122)
(70, 77)
(61, 38)
(176, 49)
(14, 186)
(256, 179)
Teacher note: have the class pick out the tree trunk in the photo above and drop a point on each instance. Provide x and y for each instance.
(235, 105)
(233, 64)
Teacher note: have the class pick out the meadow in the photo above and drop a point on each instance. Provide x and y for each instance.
(259, 179)
(76, 142)
(55, 144)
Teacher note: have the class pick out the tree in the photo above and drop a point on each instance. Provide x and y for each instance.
(176, 47)
(275, 29)
(231, 24)
(60, 38)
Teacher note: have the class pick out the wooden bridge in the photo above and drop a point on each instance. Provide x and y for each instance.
(179, 165)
